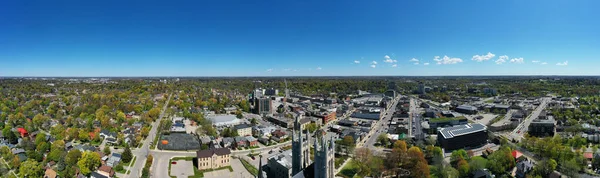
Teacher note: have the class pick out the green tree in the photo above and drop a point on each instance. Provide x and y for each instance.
(83, 135)
(501, 160)
(312, 127)
(107, 150)
(89, 162)
(9, 134)
(457, 155)
(382, 139)
(253, 121)
(30, 168)
(72, 157)
(348, 142)
(127, 155)
(463, 168)
(477, 163)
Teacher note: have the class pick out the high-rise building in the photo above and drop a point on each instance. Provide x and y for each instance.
(263, 106)
(421, 88)
(271, 92)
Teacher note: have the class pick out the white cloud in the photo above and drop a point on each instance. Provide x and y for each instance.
(373, 66)
(562, 63)
(517, 60)
(269, 70)
(319, 68)
(414, 60)
(426, 64)
(447, 60)
(394, 65)
(356, 62)
(287, 70)
(481, 58)
(387, 59)
(374, 62)
(544, 63)
(416, 63)
(536, 61)
(502, 59)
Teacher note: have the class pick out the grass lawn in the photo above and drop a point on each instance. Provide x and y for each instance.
(249, 167)
(339, 160)
(349, 170)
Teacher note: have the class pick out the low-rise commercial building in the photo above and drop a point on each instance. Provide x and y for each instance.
(542, 127)
(466, 109)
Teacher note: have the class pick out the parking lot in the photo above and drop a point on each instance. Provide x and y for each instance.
(182, 169)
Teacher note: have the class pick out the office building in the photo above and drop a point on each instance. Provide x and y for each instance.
(461, 136)
(542, 127)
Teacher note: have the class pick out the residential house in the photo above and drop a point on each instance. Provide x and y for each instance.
(50, 173)
(227, 142)
(263, 140)
(205, 140)
(114, 159)
(251, 141)
(94, 175)
(213, 159)
(104, 133)
(106, 171)
(523, 167)
(240, 141)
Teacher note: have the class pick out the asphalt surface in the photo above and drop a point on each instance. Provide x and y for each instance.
(142, 153)
(521, 129)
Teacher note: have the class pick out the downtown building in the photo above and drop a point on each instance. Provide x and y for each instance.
(461, 136)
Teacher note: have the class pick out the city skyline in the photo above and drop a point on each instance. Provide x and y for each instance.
(387, 38)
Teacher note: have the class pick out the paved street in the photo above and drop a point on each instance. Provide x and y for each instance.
(518, 133)
(141, 153)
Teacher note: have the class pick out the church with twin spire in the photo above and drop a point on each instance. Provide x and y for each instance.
(323, 165)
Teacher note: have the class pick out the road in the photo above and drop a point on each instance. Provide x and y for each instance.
(521, 129)
(142, 153)
(379, 128)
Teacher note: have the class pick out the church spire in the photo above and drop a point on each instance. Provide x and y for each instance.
(260, 172)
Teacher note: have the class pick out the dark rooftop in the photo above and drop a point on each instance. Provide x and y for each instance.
(459, 130)
(209, 153)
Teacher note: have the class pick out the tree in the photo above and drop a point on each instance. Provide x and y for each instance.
(9, 134)
(83, 135)
(57, 150)
(30, 168)
(312, 127)
(457, 155)
(362, 157)
(400, 144)
(545, 167)
(463, 168)
(253, 121)
(477, 163)
(72, 157)
(348, 142)
(154, 113)
(382, 139)
(377, 166)
(107, 150)
(5, 151)
(127, 155)
(501, 160)
(89, 162)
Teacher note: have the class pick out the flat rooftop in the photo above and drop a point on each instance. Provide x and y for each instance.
(451, 132)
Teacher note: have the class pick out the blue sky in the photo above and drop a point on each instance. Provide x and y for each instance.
(298, 38)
